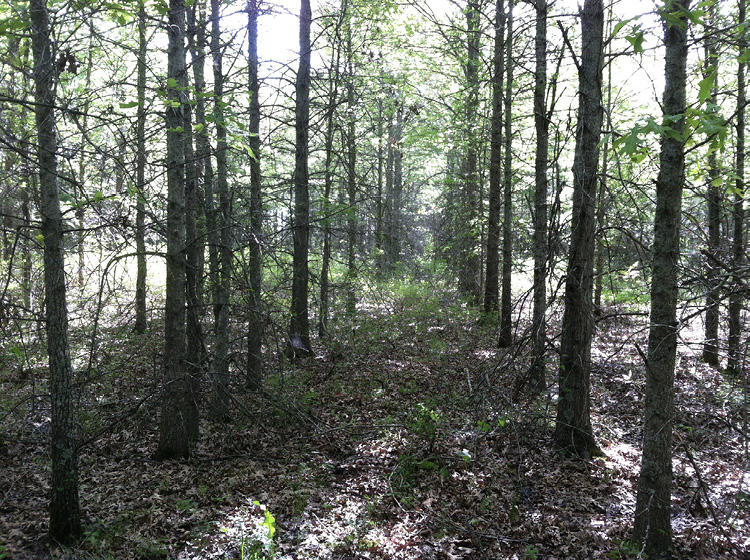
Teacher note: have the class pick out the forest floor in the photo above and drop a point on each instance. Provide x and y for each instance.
(402, 438)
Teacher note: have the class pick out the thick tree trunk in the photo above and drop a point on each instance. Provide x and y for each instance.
(713, 212)
(177, 399)
(538, 369)
(492, 274)
(220, 385)
(299, 325)
(255, 317)
(506, 303)
(573, 433)
(652, 511)
(65, 519)
(734, 353)
(140, 178)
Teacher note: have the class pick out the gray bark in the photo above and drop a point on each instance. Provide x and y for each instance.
(492, 274)
(573, 432)
(177, 400)
(65, 519)
(255, 326)
(140, 204)
(506, 303)
(652, 511)
(734, 353)
(538, 367)
(299, 325)
(220, 385)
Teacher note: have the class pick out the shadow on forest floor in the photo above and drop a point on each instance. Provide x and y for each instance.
(400, 440)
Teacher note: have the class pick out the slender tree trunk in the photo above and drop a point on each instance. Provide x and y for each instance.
(327, 184)
(713, 211)
(220, 386)
(205, 212)
(734, 354)
(469, 265)
(573, 433)
(601, 198)
(65, 518)
(492, 278)
(140, 179)
(379, 206)
(506, 303)
(652, 511)
(538, 368)
(299, 326)
(26, 247)
(255, 322)
(80, 211)
(351, 187)
(177, 398)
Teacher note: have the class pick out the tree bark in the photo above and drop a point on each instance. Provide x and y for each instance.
(351, 187)
(573, 432)
(492, 274)
(220, 385)
(469, 265)
(538, 369)
(734, 353)
(506, 303)
(65, 518)
(255, 322)
(652, 511)
(299, 325)
(177, 398)
(140, 178)
(713, 213)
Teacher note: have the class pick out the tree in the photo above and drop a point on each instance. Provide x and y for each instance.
(140, 179)
(734, 353)
(220, 387)
(538, 367)
(469, 266)
(573, 433)
(178, 404)
(506, 299)
(299, 325)
(255, 326)
(652, 511)
(713, 209)
(65, 517)
(491, 285)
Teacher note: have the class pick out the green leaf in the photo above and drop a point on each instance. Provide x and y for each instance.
(128, 105)
(39, 239)
(177, 129)
(706, 85)
(171, 83)
(198, 127)
(636, 41)
(98, 196)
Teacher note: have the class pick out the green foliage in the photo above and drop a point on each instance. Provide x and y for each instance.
(424, 423)
(531, 552)
(625, 549)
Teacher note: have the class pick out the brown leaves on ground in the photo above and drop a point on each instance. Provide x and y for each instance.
(401, 440)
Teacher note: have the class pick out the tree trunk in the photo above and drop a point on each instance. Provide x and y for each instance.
(538, 369)
(351, 188)
(220, 385)
(255, 320)
(573, 433)
(177, 398)
(65, 519)
(492, 278)
(506, 304)
(299, 325)
(652, 511)
(469, 265)
(140, 178)
(713, 212)
(734, 353)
